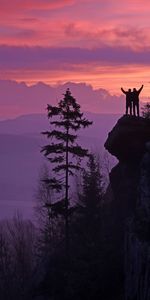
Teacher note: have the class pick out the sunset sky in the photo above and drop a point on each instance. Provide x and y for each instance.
(105, 43)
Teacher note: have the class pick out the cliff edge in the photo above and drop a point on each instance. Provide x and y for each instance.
(129, 142)
(127, 139)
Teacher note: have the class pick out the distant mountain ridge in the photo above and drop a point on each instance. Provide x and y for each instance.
(36, 123)
(20, 158)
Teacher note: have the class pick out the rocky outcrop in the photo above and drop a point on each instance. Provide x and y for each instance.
(137, 239)
(127, 139)
(130, 184)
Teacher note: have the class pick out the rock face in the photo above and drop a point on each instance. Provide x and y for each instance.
(137, 240)
(127, 139)
(130, 183)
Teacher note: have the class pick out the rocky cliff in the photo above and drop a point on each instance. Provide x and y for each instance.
(130, 184)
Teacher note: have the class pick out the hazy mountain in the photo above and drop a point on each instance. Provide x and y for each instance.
(21, 160)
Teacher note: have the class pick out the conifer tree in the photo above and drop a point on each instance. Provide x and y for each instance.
(90, 200)
(146, 110)
(87, 230)
(92, 184)
(63, 150)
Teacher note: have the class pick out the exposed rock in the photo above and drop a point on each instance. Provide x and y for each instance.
(124, 179)
(137, 245)
(127, 139)
(137, 266)
(130, 184)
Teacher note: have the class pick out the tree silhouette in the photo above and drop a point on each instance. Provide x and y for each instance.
(92, 185)
(89, 206)
(67, 119)
(146, 110)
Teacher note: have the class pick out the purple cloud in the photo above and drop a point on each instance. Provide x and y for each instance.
(16, 57)
(18, 98)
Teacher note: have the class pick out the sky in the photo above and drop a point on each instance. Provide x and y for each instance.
(102, 43)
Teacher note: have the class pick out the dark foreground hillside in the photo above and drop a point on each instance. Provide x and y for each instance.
(109, 247)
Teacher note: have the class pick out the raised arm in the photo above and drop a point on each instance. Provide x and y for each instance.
(123, 91)
(140, 89)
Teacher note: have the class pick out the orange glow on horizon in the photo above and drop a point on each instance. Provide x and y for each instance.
(106, 77)
(104, 44)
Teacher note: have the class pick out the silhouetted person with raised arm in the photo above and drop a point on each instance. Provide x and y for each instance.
(128, 100)
(136, 100)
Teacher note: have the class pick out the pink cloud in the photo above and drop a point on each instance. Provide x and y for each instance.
(7, 5)
(75, 23)
(98, 41)
(15, 57)
(73, 34)
(106, 66)
(87, 36)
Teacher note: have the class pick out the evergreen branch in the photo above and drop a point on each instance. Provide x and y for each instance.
(56, 159)
(70, 167)
(65, 124)
(83, 122)
(73, 124)
(53, 110)
(69, 101)
(53, 183)
(59, 135)
(72, 115)
(58, 208)
(53, 148)
(62, 168)
(78, 150)
(60, 148)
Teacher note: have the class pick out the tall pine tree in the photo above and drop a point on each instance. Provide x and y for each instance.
(63, 150)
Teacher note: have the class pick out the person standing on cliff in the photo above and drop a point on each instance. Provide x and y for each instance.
(128, 100)
(136, 100)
